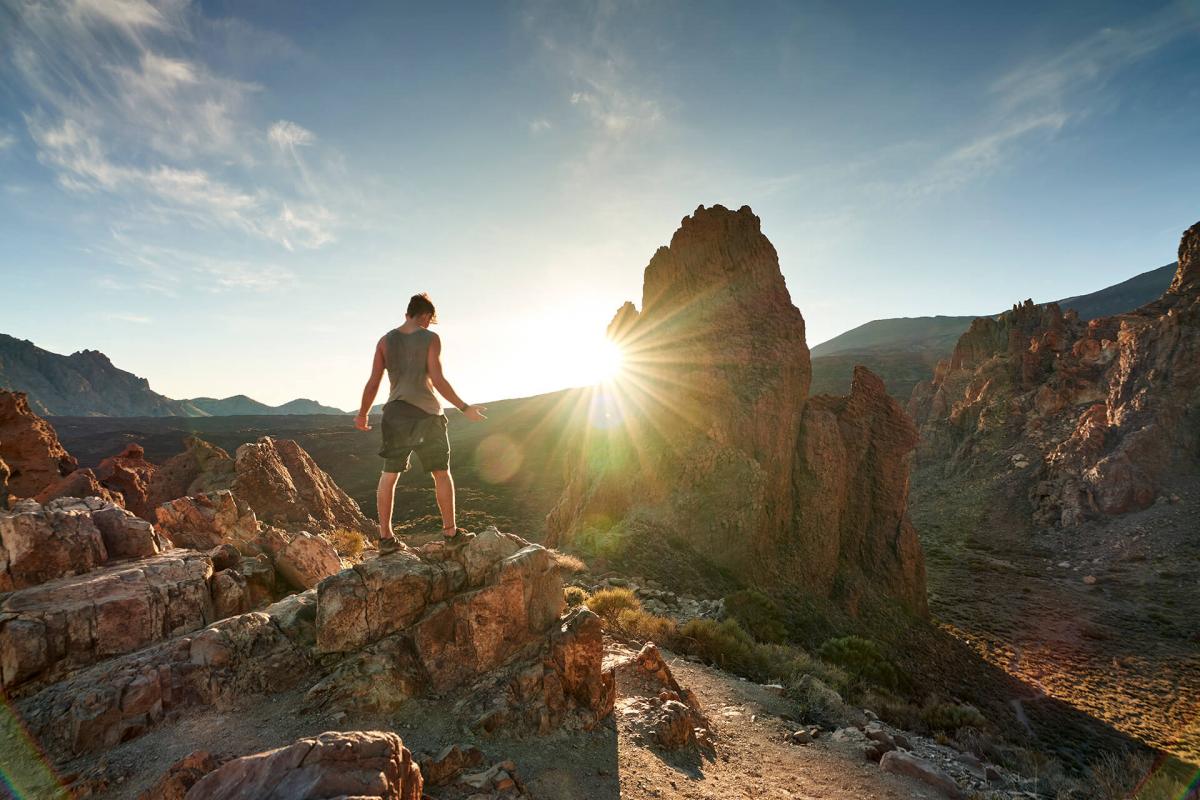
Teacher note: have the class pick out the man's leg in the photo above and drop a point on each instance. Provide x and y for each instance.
(443, 484)
(384, 495)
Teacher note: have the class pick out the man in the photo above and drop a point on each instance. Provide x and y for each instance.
(412, 416)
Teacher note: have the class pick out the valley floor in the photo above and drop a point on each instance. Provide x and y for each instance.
(1104, 617)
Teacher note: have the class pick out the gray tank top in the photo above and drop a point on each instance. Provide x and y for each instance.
(406, 356)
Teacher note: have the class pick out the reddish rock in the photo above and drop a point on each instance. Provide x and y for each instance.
(285, 487)
(30, 448)
(714, 438)
(448, 764)
(1104, 405)
(199, 469)
(336, 764)
(230, 594)
(50, 629)
(4, 475)
(205, 521)
(39, 544)
(306, 560)
(80, 483)
(900, 762)
(130, 474)
(182, 776)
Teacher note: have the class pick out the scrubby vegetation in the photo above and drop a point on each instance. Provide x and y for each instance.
(758, 614)
(644, 626)
(608, 603)
(347, 542)
(863, 662)
(575, 596)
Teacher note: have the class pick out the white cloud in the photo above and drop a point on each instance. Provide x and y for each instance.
(539, 126)
(136, 319)
(288, 135)
(120, 101)
(166, 269)
(7, 140)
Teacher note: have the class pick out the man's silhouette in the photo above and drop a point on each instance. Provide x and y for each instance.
(412, 416)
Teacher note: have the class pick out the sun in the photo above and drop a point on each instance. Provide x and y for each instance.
(607, 360)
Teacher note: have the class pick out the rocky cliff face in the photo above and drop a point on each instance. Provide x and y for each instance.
(30, 448)
(710, 434)
(1096, 413)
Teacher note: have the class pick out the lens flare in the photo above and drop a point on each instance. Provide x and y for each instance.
(609, 358)
(498, 458)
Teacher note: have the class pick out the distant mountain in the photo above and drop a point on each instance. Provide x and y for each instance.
(87, 384)
(241, 405)
(83, 384)
(904, 350)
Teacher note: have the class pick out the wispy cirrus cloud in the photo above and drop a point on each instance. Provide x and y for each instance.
(121, 102)
(1046, 93)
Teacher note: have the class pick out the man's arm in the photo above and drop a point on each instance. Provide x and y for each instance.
(434, 366)
(371, 389)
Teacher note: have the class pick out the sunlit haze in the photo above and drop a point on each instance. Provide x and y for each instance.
(238, 198)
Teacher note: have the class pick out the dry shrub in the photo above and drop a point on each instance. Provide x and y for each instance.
(609, 603)
(575, 596)
(644, 626)
(568, 563)
(348, 542)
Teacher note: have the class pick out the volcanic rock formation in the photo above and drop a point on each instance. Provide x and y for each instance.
(1103, 411)
(30, 448)
(711, 436)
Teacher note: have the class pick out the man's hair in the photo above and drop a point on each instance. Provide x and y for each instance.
(421, 304)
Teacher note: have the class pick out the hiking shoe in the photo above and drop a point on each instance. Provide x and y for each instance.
(388, 545)
(457, 539)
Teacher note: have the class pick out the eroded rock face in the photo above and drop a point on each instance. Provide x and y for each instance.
(205, 521)
(80, 483)
(710, 436)
(131, 474)
(285, 487)
(63, 624)
(306, 560)
(1099, 411)
(30, 448)
(346, 764)
(103, 705)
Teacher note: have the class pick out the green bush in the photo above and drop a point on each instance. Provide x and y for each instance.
(862, 661)
(608, 603)
(816, 701)
(723, 644)
(950, 717)
(758, 614)
(575, 596)
(644, 626)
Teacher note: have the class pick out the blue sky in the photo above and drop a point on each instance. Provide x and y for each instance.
(239, 197)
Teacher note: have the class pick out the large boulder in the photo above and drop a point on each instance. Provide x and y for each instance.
(204, 521)
(306, 560)
(80, 483)
(131, 474)
(4, 474)
(710, 435)
(285, 487)
(338, 764)
(30, 448)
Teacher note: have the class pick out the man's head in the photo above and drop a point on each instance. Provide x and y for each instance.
(421, 310)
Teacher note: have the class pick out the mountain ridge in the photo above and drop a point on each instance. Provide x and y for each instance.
(86, 383)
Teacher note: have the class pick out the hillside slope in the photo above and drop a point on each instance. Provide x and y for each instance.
(903, 350)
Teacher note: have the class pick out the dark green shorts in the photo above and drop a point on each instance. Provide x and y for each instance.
(407, 430)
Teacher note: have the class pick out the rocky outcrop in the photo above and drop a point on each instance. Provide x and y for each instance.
(108, 703)
(67, 537)
(182, 776)
(338, 764)
(80, 483)
(52, 628)
(661, 711)
(710, 434)
(131, 474)
(30, 448)
(4, 475)
(1102, 411)
(205, 521)
(307, 560)
(285, 487)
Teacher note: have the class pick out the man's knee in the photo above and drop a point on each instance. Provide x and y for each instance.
(440, 474)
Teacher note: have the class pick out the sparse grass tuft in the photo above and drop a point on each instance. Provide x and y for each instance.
(948, 718)
(568, 562)
(609, 603)
(644, 626)
(348, 542)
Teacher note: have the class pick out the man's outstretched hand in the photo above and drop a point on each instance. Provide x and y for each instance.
(360, 422)
(475, 413)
